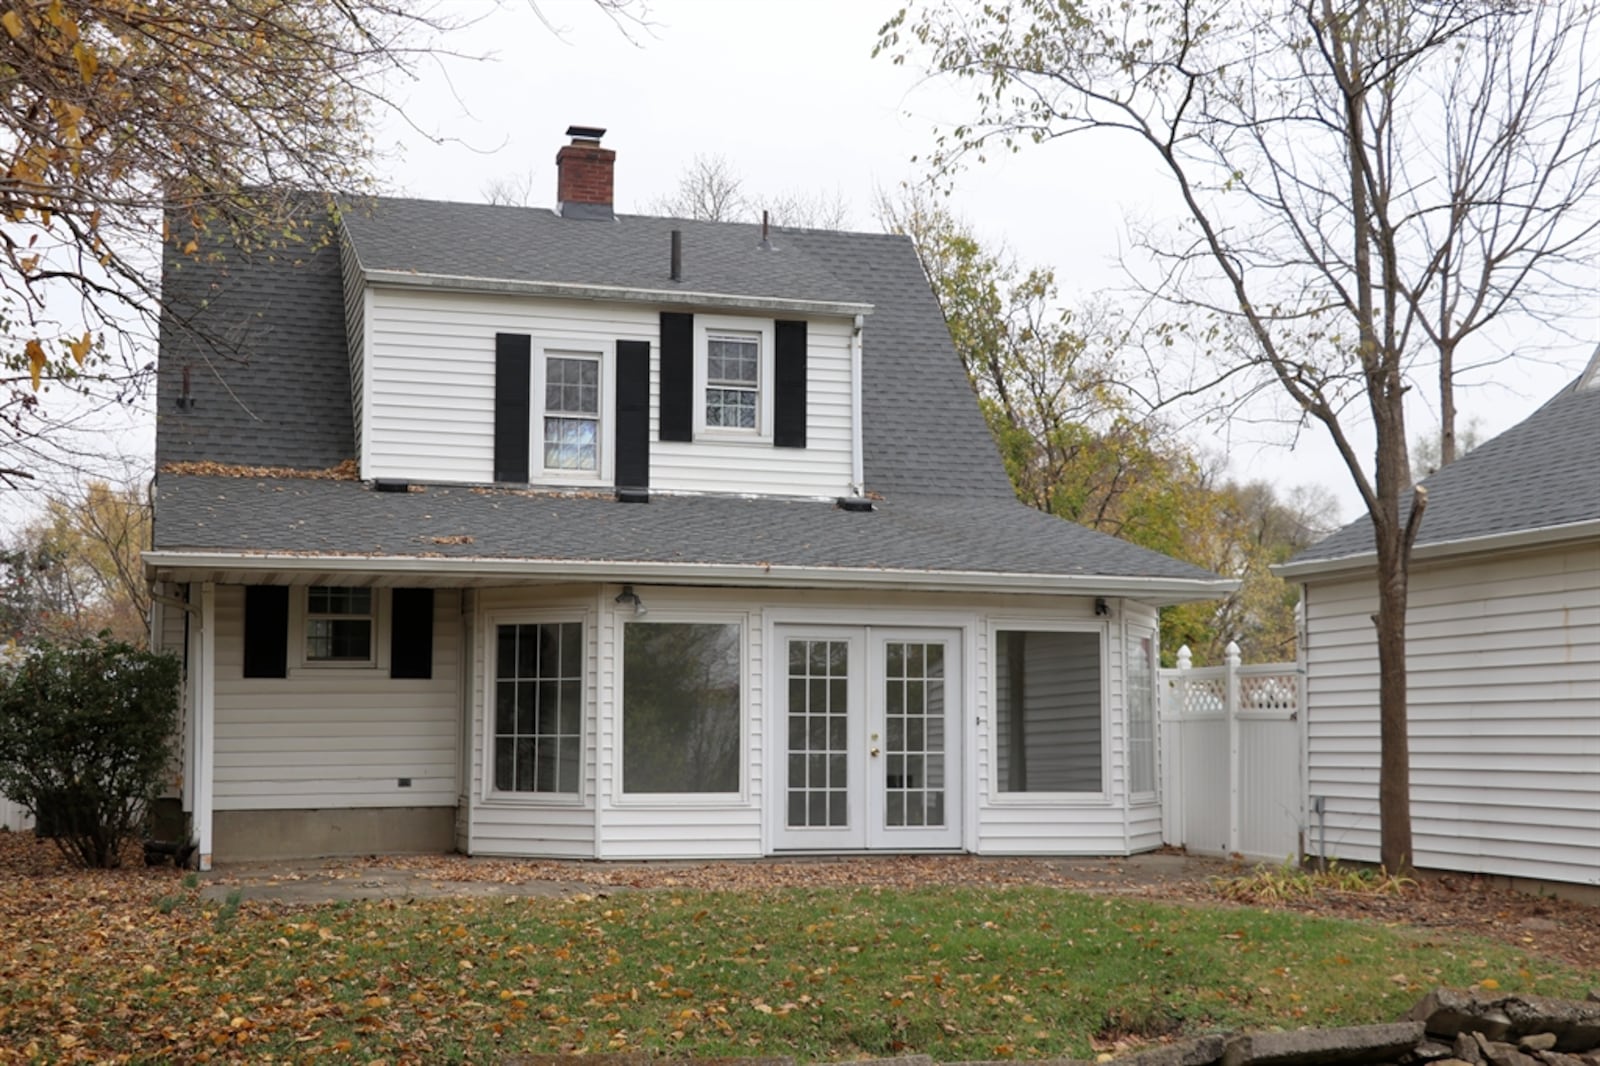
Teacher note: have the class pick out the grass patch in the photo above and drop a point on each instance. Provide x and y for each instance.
(825, 974)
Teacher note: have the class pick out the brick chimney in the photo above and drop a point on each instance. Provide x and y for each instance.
(583, 175)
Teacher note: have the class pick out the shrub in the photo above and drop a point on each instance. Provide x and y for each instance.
(84, 734)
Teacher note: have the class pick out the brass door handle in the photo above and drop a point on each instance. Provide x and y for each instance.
(874, 753)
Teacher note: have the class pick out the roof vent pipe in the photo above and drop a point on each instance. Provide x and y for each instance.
(766, 242)
(677, 255)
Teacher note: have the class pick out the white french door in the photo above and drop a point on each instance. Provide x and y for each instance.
(868, 726)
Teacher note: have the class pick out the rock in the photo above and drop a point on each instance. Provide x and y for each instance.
(1466, 1047)
(1576, 1024)
(1324, 1047)
(1594, 995)
(1455, 1062)
(1557, 1058)
(1202, 1051)
(1537, 1042)
(1499, 1053)
(1445, 1012)
(1428, 1051)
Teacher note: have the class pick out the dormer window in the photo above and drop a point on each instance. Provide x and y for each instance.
(572, 411)
(733, 367)
(733, 380)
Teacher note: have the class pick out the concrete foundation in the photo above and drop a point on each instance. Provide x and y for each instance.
(250, 836)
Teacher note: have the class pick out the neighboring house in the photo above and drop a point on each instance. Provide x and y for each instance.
(1503, 659)
(662, 539)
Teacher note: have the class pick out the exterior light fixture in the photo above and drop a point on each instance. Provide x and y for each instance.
(629, 598)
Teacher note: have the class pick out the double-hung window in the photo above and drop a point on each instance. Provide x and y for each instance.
(339, 625)
(733, 380)
(572, 411)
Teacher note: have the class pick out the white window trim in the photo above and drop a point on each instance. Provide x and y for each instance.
(487, 793)
(299, 611)
(763, 328)
(1152, 795)
(680, 800)
(605, 431)
(999, 798)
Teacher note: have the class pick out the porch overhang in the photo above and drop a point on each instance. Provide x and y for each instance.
(469, 572)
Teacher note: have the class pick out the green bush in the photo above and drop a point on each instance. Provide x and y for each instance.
(84, 735)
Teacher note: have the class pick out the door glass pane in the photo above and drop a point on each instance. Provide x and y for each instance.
(818, 734)
(914, 724)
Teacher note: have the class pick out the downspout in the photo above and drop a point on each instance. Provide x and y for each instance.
(857, 462)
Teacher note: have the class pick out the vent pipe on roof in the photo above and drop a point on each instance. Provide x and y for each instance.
(766, 241)
(677, 255)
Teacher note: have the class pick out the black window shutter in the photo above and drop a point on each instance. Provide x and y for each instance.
(677, 376)
(266, 631)
(789, 386)
(513, 379)
(633, 414)
(411, 633)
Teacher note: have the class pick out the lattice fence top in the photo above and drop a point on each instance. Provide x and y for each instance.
(1269, 692)
(1204, 696)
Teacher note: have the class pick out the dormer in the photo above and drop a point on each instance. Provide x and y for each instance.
(580, 349)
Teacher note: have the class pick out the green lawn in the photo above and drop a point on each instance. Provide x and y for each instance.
(826, 974)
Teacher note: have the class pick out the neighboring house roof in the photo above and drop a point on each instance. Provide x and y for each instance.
(1538, 481)
(279, 396)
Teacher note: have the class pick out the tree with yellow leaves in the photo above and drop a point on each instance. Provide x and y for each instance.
(122, 115)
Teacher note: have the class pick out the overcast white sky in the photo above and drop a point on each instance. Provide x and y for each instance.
(787, 92)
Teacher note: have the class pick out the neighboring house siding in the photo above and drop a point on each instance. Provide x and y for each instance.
(331, 737)
(1504, 712)
(430, 394)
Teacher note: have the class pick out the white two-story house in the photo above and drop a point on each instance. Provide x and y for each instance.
(568, 533)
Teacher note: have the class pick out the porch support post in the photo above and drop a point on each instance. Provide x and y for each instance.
(1231, 705)
(202, 674)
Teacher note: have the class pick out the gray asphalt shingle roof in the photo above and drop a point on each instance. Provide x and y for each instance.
(278, 394)
(910, 532)
(1540, 473)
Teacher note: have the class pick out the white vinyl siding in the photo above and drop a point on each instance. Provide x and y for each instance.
(335, 738)
(430, 392)
(1504, 698)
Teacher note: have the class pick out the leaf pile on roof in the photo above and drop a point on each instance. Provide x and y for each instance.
(345, 471)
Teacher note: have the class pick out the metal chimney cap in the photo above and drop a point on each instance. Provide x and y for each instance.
(586, 133)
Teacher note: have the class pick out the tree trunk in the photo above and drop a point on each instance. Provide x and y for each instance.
(1447, 404)
(1392, 537)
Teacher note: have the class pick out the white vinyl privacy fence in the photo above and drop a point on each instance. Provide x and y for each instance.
(1232, 753)
(13, 817)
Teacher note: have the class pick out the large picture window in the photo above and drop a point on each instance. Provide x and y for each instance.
(681, 686)
(538, 707)
(1048, 712)
(338, 625)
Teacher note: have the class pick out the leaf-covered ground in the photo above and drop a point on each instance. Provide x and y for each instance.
(137, 964)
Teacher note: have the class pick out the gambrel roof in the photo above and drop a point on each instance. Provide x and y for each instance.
(278, 394)
(1537, 481)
